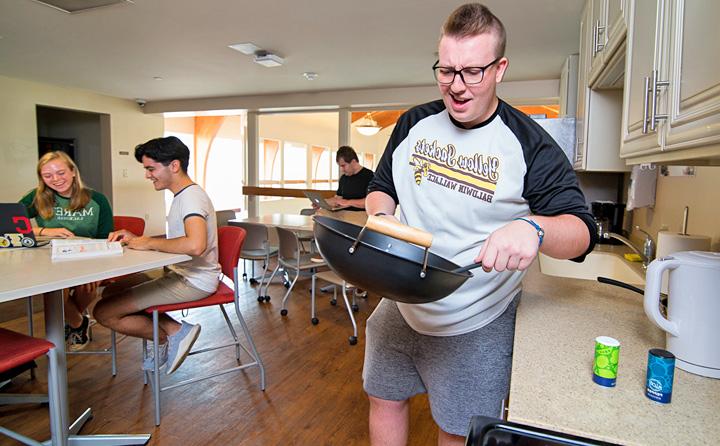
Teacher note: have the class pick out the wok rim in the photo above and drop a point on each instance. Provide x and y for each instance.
(320, 220)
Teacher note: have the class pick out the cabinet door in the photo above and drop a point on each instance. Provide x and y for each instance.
(643, 56)
(598, 37)
(616, 27)
(694, 73)
(582, 89)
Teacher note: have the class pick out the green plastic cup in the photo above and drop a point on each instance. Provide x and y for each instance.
(607, 356)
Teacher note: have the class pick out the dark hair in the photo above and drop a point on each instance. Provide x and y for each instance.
(473, 19)
(347, 153)
(165, 151)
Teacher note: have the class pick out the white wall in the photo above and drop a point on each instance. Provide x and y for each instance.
(132, 194)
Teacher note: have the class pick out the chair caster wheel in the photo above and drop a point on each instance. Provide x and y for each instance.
(352, 340)
(267, 298)
(283, 312)
(355, 308)
(333, 302)
(315, 321)
(286, 284)
(260, 299)
(253, 282)
(244, 276)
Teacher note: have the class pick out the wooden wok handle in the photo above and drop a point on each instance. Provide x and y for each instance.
(399, 231)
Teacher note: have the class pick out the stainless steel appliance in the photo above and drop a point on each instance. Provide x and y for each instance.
(608, 218)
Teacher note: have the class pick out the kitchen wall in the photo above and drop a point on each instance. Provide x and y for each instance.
(132, 194)
(701, 193)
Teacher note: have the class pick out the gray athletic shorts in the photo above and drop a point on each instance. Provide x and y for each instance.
(463, 375)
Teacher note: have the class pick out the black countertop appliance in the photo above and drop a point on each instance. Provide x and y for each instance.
(608, 218)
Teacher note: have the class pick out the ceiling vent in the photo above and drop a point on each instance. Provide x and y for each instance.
(76, 6)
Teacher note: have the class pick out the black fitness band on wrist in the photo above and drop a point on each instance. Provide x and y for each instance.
(379, 214)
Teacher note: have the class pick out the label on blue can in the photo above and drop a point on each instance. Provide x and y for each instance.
(660, 373)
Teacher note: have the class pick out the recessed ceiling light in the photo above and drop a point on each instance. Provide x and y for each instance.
(157, 78)
(309, 75)
(246, 48)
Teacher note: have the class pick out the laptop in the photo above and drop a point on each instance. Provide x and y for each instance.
(317, 198)
(15, 228)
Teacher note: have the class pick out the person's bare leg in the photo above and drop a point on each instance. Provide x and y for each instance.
(121, 314)
(73, 316)
(445, 439)
(389, 422)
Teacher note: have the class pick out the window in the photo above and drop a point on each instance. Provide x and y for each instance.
(323, 168)
(294, 166)
(269, 163)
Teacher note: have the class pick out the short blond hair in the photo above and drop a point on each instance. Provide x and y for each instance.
(473, 19)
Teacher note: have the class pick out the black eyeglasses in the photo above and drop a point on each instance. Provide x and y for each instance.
(469, 75)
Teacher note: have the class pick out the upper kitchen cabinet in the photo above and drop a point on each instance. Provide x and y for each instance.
(671, 112)
(607, 29)
(599, 112)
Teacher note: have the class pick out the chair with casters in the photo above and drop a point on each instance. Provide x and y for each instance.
(337, 281)
(257, 248)
(292, 259)
(230, 242)
(17, 351)
(223, 217)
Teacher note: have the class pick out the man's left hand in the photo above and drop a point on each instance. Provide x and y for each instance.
(511, 247)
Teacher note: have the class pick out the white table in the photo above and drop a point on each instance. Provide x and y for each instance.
(26, 272)
(293, 222)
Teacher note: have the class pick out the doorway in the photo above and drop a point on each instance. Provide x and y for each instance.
(85, 136)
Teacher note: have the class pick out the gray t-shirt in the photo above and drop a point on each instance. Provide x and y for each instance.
(203, 271)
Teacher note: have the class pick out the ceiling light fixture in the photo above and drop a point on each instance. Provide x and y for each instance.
(268, 59)
(367, 125)
(246, 48)
(309, 75)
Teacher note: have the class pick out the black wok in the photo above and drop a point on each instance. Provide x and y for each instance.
(389, 266)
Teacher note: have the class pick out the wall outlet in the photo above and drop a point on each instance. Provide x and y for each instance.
(124, 173)
(664, 227)
(147, 218)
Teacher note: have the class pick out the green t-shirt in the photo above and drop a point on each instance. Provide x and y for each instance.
(95, 220)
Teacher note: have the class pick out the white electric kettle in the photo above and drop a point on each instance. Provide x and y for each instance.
(693, 313)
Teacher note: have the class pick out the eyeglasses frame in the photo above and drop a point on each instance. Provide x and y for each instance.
(462, 78)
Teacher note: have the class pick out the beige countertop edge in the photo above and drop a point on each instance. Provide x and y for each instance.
(551, 385)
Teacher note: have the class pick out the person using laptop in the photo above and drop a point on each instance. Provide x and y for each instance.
(192, 230)
(352, 188)
(63, 207)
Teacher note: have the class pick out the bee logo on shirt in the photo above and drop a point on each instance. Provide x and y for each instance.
(420, 169)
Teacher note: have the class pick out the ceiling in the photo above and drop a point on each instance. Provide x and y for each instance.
(119, 50)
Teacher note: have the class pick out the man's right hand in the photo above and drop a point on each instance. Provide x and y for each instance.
(123, 235)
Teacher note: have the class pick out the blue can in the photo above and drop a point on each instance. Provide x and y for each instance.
(660, 373)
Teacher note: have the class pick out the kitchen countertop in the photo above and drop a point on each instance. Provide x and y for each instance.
(551, 385)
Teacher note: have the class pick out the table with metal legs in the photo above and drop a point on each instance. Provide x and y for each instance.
(30, 271)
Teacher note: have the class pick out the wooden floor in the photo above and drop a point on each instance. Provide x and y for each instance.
(314, 390)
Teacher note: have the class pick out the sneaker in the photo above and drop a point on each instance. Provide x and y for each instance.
(78, 338)
(148, 364)
(180, 344)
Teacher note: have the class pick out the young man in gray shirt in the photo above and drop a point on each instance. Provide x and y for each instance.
(192, 230)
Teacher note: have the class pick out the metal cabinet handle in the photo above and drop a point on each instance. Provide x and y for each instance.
(646, 97)
(598, 44)
(594, 39)
(654, 116)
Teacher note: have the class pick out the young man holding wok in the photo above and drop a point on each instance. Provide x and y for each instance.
(492, 187)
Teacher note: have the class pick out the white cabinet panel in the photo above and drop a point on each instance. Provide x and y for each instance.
(694, 75)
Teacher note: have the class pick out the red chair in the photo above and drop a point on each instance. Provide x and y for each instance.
(16, 350)
(230, 241)
(136, 225)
